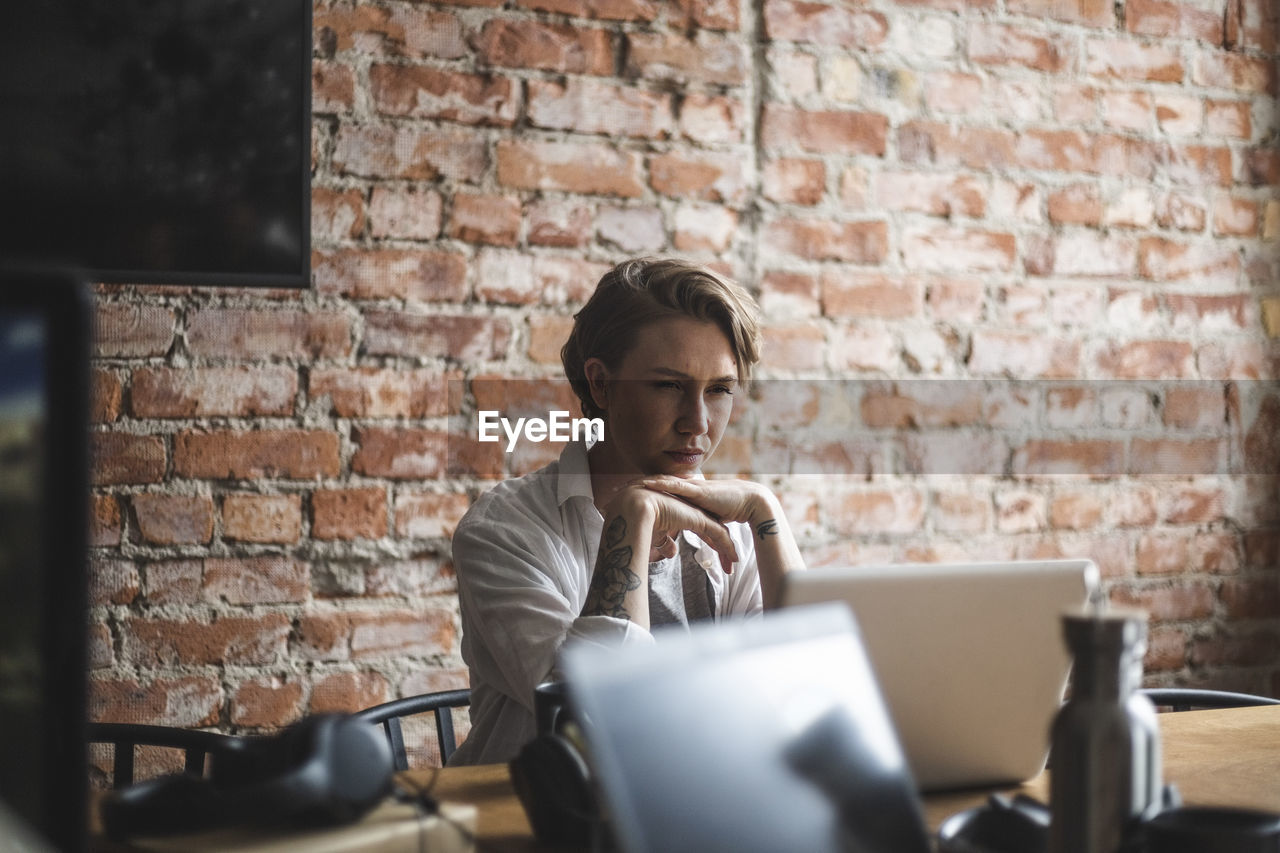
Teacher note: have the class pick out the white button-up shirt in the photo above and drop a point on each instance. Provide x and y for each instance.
(524, 555)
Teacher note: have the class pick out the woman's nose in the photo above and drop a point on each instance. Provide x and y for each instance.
(693, 415)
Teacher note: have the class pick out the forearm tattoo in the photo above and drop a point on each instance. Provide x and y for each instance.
(613, 577)
(767, 528)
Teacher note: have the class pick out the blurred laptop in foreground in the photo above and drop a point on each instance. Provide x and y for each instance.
(969, 657)
(757, 736)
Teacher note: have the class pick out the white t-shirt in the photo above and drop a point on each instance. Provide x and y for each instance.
(524, 555)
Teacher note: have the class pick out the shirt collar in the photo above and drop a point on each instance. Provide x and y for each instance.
(575, 474)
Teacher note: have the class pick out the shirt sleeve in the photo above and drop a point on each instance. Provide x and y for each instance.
(521, 590)
(742, 594)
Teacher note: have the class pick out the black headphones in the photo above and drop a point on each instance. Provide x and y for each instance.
(325, 770)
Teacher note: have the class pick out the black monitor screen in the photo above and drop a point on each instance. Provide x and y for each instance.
(158, 140)
(43, 495)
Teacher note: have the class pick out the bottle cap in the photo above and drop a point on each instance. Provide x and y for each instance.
(1119, 628)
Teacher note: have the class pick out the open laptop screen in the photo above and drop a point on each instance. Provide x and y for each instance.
(43, 400)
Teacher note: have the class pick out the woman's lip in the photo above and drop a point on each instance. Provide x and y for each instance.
(684, 455)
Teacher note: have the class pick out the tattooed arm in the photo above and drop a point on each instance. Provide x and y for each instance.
(633, 521)
(754, 504)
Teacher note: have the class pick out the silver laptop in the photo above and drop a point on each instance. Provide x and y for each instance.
(969, 657)
(735, 736)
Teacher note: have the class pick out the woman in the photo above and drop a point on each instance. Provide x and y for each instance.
(614, 539)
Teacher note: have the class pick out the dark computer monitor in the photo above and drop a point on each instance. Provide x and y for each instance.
(44, 366)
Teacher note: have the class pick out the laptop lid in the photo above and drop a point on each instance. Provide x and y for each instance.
(969, 657)
(735, 736)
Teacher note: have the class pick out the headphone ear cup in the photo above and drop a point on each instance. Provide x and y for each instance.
(554, 785)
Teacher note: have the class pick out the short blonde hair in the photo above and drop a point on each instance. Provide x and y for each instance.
(639, 292)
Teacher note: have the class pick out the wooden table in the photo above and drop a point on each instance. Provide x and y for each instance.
(1218, 758)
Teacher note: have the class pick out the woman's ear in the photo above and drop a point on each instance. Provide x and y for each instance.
(597, 379)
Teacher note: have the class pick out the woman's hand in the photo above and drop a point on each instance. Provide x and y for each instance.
(725, 500)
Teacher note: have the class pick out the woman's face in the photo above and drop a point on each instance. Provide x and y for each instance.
(667, 403)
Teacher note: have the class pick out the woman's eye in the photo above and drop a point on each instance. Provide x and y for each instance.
(666, 384)
(722, 389)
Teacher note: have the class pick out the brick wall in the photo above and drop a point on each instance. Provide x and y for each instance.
(1055, 197)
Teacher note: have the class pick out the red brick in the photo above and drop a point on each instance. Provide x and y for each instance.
(104, 521)
(824, 239)
(547, 335)
(400, 634)
(1254, 649)
(165, 519)
(1178, 115)
(983, 149)
(112, 582)
(266, 702)
(608, 10)
(249, 640)
(1177, 458)
(1168, 603)
(1234, 311)
(1192, 505)
(1076, 511)
(1020, 511)
(409, 152)
(163, 392)
(426, 515)
(1235, 217)
(523, 397)
(549, 47)
(132, 331)
(105, 397)
(1090, 13)
(796, 346)
(960, 512)
(463, 338)
(821, 23)
(100, 650)
(953, 92)
(1077, 204)
(1183, 212)
(1092, 457)
(711, 177)
(823, 131)
(783, 293)
(1091, 253)
(958, 249)
(1252, 24)
(419, 91)
(406, 213)
(347, 692)
(712, 14)
(1254, 597)
(184, 702)
(255, 580)
(1023, 355)
(174, 582)
(704, 228)
(1172, 20)
(349, 513)
(427, 276)
(1228, 118)
(419, 578)
(336, 214)
(709, 58)
(1195, 408)
(1166, 649)
(569, 167)
(1165, 260)
(561, 223)
(262, 518)
(491, 219)
(1199, 165)
(1126, 60)
(927, 406)
(881, 511)
(1146, 360)
(856, 294)
(1129, 111)
(371, 392)
(1262, 439)
(712, 119)
(575, 105)
(399, 453)
(934, 194)
(634, 230)
(247, 334)
(1230, 70)
(794, 180)
(991, 44)
(333, 87)
(1262, 167)
(409, 31)
(229, 454)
